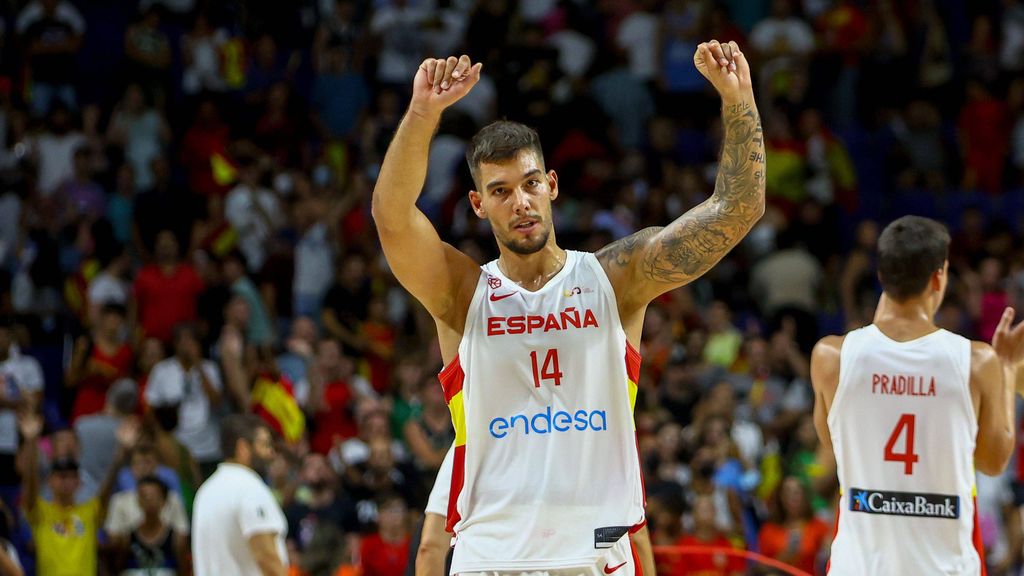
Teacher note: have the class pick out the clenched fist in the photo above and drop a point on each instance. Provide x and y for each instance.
(441, 82)
(726, 68)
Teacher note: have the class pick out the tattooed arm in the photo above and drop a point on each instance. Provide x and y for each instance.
(656, 260)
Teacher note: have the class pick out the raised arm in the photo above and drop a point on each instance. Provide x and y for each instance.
(656, 260)
(438, 275)
(994, 372)
(30, 424)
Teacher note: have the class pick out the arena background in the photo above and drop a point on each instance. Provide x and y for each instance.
(210, 163)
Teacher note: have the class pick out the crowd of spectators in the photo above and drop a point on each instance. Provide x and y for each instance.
(185, 233)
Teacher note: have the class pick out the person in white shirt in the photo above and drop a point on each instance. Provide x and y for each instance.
(238, 526)
(21, 386)
(194, 384)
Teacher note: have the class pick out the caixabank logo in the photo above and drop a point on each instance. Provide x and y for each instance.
(904, 504)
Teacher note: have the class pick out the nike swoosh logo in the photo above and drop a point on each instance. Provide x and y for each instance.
(495, 297)
(608, 570)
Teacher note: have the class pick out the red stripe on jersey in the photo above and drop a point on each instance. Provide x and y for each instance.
(979, 546)
(638, 568)
(632, 363)
(458, 479)
(451, 379)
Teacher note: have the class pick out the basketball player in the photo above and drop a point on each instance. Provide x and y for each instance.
(541, 344)
(431, 557)
(910, 412)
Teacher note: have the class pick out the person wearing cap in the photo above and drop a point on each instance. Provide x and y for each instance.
(65, 532)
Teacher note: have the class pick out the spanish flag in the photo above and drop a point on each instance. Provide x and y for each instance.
(273, 399)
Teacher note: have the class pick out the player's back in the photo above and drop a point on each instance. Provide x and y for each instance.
(903, 429)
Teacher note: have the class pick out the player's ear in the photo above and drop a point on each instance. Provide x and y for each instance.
(476, 201)
(937, 279)
(553, 184)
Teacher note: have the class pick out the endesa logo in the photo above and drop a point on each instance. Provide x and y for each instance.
(904, 504)
(548, 422)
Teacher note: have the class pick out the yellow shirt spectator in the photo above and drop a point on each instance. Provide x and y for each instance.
(65, 537)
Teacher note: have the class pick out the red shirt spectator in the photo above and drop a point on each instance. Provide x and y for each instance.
(386, 552)
(331, 398)
(166, 292)
(99, 360)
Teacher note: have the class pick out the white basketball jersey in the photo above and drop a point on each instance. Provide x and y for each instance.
(903, 428)
(546, 473)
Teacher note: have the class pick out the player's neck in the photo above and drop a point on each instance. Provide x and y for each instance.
(532, 271)
(904, 320)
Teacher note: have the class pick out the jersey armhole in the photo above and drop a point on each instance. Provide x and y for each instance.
(847, 351)
(607, 289)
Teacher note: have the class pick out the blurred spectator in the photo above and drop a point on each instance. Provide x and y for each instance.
(200, 49)
(273, 399)
(65, 531)
(204, 152)
(80, 196)
(55, 150)
(260, 331)
(51, 31)
(191, 383)
(254, 212)
(166, 290)
(372, 419)
(110, 286)
(626, 100)
(10, 561)
(340, 95)
(332, 399)
(398, 26)
(638, 37)
(99, 359)
(984, 127)
(787, 282)
(148, 52)
(319, 509)
(127, 510)
(314, 258)
(794, 535)
(705, 534)
(21, 388)
(347, 302)
(384, 553)
(154, 547)
(141, 131)
(724, 340)
(782, 44)
(294, 361)
(858, 285)
(97, 433)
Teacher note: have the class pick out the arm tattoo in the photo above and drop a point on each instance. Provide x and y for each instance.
(697, 240)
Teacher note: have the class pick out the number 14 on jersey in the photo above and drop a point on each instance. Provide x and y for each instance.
(905, 428)
(548, 370)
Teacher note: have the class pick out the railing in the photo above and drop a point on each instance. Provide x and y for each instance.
(733, 552)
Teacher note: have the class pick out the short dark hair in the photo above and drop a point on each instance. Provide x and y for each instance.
(910, 250)
(500, 141)
(238, 427)
(155, 481)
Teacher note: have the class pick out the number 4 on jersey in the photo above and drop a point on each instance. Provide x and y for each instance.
(550, 369)
(908, 457)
